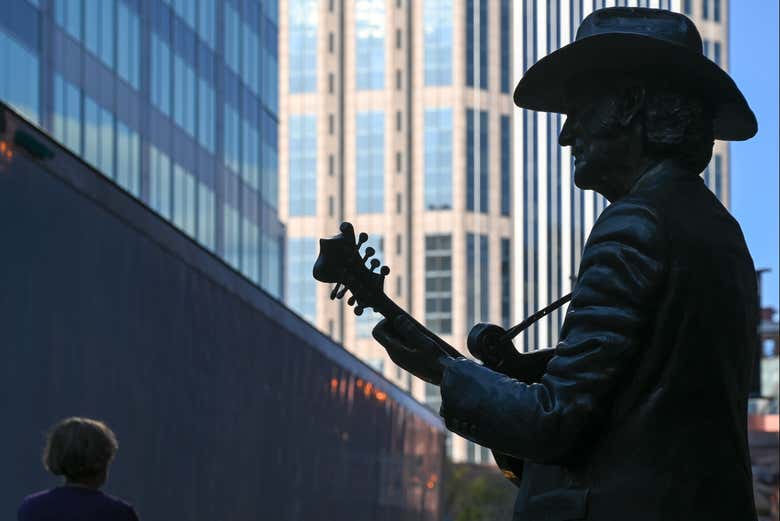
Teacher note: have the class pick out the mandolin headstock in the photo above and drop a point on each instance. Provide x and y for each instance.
(340, 262)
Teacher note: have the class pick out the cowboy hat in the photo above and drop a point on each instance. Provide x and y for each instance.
(638, 39)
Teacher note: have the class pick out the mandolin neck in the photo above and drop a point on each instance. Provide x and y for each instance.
(390, 310)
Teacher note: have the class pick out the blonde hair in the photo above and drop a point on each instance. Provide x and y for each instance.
(79, 448)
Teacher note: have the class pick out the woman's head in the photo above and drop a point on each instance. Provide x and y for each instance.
(80, 449)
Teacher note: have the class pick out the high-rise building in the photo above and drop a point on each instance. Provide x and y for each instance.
(553, 217)
(175, 100)
(396, 115)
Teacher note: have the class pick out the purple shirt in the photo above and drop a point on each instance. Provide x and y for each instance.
(74, 504)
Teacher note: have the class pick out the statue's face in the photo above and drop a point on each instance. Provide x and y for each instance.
(597, 139)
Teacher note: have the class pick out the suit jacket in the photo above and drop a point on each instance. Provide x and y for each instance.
(641, 413)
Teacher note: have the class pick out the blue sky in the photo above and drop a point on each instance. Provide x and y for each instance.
(754, 163)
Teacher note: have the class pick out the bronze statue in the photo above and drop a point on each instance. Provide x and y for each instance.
(640, 411)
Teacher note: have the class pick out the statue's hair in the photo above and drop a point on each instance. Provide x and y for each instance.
(79, 449)
(678, 124)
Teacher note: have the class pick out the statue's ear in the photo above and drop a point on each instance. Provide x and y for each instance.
(631, 103)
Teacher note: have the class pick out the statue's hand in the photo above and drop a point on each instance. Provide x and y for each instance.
(411, 348)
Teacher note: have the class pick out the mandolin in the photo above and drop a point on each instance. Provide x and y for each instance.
(340, 263)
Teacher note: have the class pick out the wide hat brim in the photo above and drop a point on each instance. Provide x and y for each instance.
(543, 87)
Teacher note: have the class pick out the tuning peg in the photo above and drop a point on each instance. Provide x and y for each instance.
(369, 252)
(374, 264)
(351, 300)
(384, 271)
(363, 237)
(341, 292)
(345, 227)
(359, 310)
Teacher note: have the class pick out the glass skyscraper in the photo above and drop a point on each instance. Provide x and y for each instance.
(174, 100)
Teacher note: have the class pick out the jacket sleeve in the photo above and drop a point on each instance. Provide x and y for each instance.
(620, 275)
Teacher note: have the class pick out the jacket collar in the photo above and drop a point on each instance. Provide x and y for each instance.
(665, 171)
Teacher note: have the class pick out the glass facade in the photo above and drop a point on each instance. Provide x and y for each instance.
(303, 164)
(477, 43)
(438, 159)
(505, 19)
(506, 165)
(139, 95)
(477, 161)
(437, 27)
(301, 294)
(477, 276)
(303, 45)
(370, 44)
(370, 162)
(438, 283)
(506, 284)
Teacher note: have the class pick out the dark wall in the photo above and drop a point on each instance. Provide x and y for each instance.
(226, 405)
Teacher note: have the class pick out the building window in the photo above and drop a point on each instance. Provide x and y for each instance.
(398, 38)
(206, 216)
(506, 284)
(231, 223)
(331, 5)
(398, 121)
(706, 47)
(301, 294)
(477, 270)
(331, 42)
(129, 44)
(271, 264)
(399, 206)
(232, 138)
(705, 9)
(161, 74)
(398, 244)
(250, 250)
(128, 163)
(438, 159)
(331, 124)
(687, 7)
(232, 43)
(331, 165)
(303, 164)
(369, 162)
(437, 28)
(370, 44)
(365, 323)
(398, 286)
(303, 45)
(184, 100)
(506, 164)
(67, 14)
(398, 162)
(716, 49)
(206, 17)
(250, 154)
(330, 83)
(270, 164)
(67, 110)
(398, 79)
(159, 182)
(98, 137)
(184, 199)
(716, 10)
(506, 45)
(206, 115)
(99, 31)
(438, 283)
(477, 140)
(477, 43)
(330, 205)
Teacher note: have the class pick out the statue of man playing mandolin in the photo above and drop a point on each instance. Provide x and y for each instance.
(640, 410)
